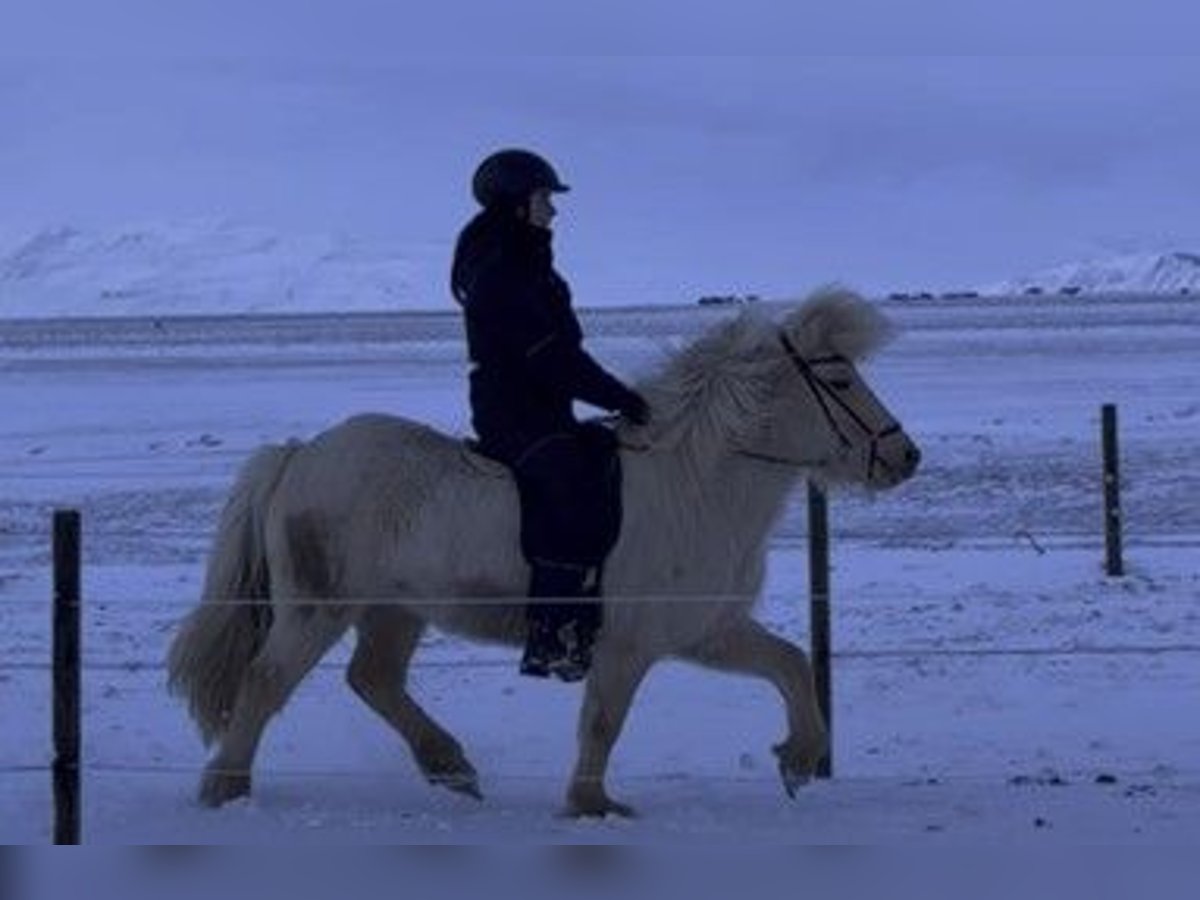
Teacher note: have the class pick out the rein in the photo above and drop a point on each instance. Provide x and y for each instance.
(827, 396)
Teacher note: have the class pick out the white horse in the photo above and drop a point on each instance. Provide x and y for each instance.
(388, 526)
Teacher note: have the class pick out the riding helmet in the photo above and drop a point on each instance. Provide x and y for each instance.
(508, 177)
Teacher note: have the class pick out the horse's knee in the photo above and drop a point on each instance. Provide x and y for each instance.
(596, 724)
(610, 691)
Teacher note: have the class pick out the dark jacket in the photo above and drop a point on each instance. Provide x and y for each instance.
(523, 338)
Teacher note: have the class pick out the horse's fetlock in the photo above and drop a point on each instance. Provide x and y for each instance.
(220, 785)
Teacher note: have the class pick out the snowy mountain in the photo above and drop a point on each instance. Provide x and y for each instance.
(210, 268)
(225, 268)
(1142, 273)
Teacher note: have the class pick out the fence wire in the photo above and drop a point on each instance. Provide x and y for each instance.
(887, 653)
(190, 771)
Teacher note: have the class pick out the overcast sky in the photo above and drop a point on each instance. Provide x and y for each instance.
(692, 174)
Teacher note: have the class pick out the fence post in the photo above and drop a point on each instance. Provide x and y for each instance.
(818, 581)
(66, 615)
(1114, 564)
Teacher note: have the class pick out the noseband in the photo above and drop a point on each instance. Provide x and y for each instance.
(827, 397)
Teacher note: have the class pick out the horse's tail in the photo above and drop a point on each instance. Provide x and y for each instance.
(219, 638)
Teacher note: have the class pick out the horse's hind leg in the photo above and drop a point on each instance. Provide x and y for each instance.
(745, 647)
(296, 642)
(387, 638)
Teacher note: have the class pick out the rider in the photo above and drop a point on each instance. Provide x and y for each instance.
(528, 366)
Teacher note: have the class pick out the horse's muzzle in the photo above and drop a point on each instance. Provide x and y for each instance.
(912, 460)
(894, 460)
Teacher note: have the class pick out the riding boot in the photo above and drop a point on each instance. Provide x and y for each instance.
(560, 634)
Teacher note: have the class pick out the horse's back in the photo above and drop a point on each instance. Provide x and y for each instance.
(382, 474)
(370, 433)
(392, 507)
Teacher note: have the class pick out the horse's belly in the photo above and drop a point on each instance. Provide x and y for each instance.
(490, 621)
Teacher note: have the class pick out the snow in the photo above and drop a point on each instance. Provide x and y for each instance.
(214, 267)
(991, 683)
(211, 267)
(1135, 273)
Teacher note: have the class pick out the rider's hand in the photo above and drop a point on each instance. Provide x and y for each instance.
(635, 409)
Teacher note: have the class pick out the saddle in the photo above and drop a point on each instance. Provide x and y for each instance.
(570, 499)
(472, 453)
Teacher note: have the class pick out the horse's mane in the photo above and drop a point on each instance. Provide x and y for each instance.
(717, 389)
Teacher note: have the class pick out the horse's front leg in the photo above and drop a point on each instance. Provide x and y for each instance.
(617, 670)
(745, 647)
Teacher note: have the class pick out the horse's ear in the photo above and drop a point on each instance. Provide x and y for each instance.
(835, 319)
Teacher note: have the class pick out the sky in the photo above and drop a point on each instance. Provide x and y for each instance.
(753, 173)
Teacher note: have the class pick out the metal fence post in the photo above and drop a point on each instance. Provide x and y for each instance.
(66, 615)
(818, 580)
(1114, 564)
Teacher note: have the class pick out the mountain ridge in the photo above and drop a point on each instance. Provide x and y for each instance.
(206, 267)
(1167, 272)
(219, 267)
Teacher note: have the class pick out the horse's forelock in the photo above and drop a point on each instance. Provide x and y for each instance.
(837, 320)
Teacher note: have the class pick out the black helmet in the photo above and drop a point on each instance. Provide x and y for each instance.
(508, 177)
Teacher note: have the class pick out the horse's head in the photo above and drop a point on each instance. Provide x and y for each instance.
(787, 393)
(822, 413)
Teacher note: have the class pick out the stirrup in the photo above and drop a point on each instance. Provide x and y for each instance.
(559, 653)
(576, 658)
(534, 667)
(569, 669)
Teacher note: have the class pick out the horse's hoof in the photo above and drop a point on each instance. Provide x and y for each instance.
(597, 806)
(461, 783)
(796, 766)
(793, 781)
(449, 768)
(218, 788)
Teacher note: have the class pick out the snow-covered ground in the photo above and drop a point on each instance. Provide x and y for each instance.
(990, 684)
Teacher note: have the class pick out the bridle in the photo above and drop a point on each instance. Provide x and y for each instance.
(827, 397)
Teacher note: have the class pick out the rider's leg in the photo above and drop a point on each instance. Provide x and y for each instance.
(553, 641)
(563, 519)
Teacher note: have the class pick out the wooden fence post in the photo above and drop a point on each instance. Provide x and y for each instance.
(66, 615)
(818, 580)
(1114, 564)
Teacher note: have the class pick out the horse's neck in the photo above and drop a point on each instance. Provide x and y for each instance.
(753, 494)
(741, 497)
